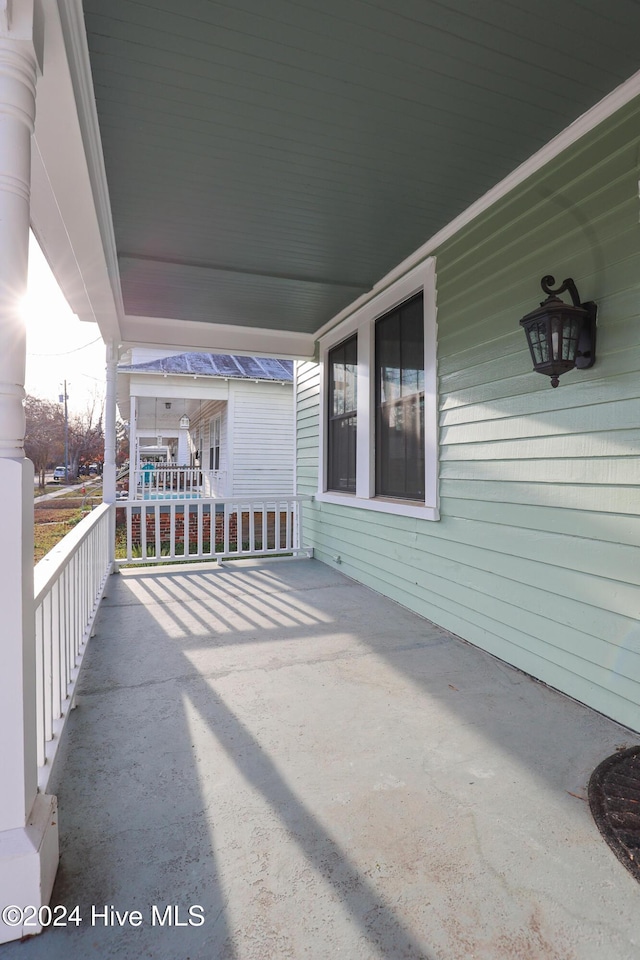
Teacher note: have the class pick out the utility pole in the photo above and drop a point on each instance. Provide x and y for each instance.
(66, 434)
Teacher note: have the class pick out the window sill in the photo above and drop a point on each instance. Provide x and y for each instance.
(400, 508)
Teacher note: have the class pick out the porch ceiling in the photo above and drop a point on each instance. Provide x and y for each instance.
(267, 163)
(152, 413)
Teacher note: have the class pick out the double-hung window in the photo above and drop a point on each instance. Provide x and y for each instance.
(343, 391)
(399, 430)
(379, 438)
(214, 444)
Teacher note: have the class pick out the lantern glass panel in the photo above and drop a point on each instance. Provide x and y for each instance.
(538, 341)
(570, 332)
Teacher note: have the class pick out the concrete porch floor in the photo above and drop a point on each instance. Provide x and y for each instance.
(328, 776)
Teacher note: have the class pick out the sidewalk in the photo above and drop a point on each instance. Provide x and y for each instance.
(76, 487)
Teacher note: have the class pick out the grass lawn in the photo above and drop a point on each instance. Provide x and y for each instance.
(50, 526)
(53, 519)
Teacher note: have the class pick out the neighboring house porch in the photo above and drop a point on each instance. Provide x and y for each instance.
(207, 425)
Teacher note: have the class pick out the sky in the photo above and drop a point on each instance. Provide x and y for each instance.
(59, 345)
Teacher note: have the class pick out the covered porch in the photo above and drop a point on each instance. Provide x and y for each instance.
(324, 774)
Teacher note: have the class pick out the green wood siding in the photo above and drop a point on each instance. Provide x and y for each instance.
(535, 558)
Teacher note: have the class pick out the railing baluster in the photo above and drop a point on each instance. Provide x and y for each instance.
(66, 675)
(79, 609)
(212, 529)
(87, 605)
(47, 635)
(55, 649)
(143, 529)
(156, 511)
(172, 531)
(252, 528)
(71, 617)
(81, 603)
(185, 529)
(40, 690)
(128, 518)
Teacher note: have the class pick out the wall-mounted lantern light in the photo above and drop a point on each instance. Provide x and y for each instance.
(184, 422)
(561, 335)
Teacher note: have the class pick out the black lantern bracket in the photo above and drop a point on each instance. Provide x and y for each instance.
(561, 336)
(586, 352)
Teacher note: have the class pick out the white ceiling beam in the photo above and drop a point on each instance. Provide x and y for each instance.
(185, 336)
(186, 388)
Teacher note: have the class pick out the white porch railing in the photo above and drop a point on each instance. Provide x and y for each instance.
(169, 481)
(210, 529)
(214, 483)
(69, 582)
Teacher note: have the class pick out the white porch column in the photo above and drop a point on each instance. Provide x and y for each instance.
(134, 460)
(28, 820)
(109, 470)
(183, 447)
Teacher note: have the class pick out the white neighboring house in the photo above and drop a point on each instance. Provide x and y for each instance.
(225, 423)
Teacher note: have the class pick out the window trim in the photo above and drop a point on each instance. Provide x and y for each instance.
(422, 279)
(216, 420)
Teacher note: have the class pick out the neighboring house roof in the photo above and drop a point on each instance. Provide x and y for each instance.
(215, 365)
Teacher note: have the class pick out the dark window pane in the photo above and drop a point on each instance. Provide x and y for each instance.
(388, 353)
(343, 371)
(400, 462)
(412, 347)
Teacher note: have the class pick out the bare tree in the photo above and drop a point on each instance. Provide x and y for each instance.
(86, 436)
(44, 438)
(122, 441)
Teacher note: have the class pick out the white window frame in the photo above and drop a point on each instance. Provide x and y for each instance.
(422, 279)
(215, 425)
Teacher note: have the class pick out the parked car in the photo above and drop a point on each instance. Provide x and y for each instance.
(58, 474)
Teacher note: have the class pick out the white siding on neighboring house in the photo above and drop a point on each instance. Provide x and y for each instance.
(262, 438)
